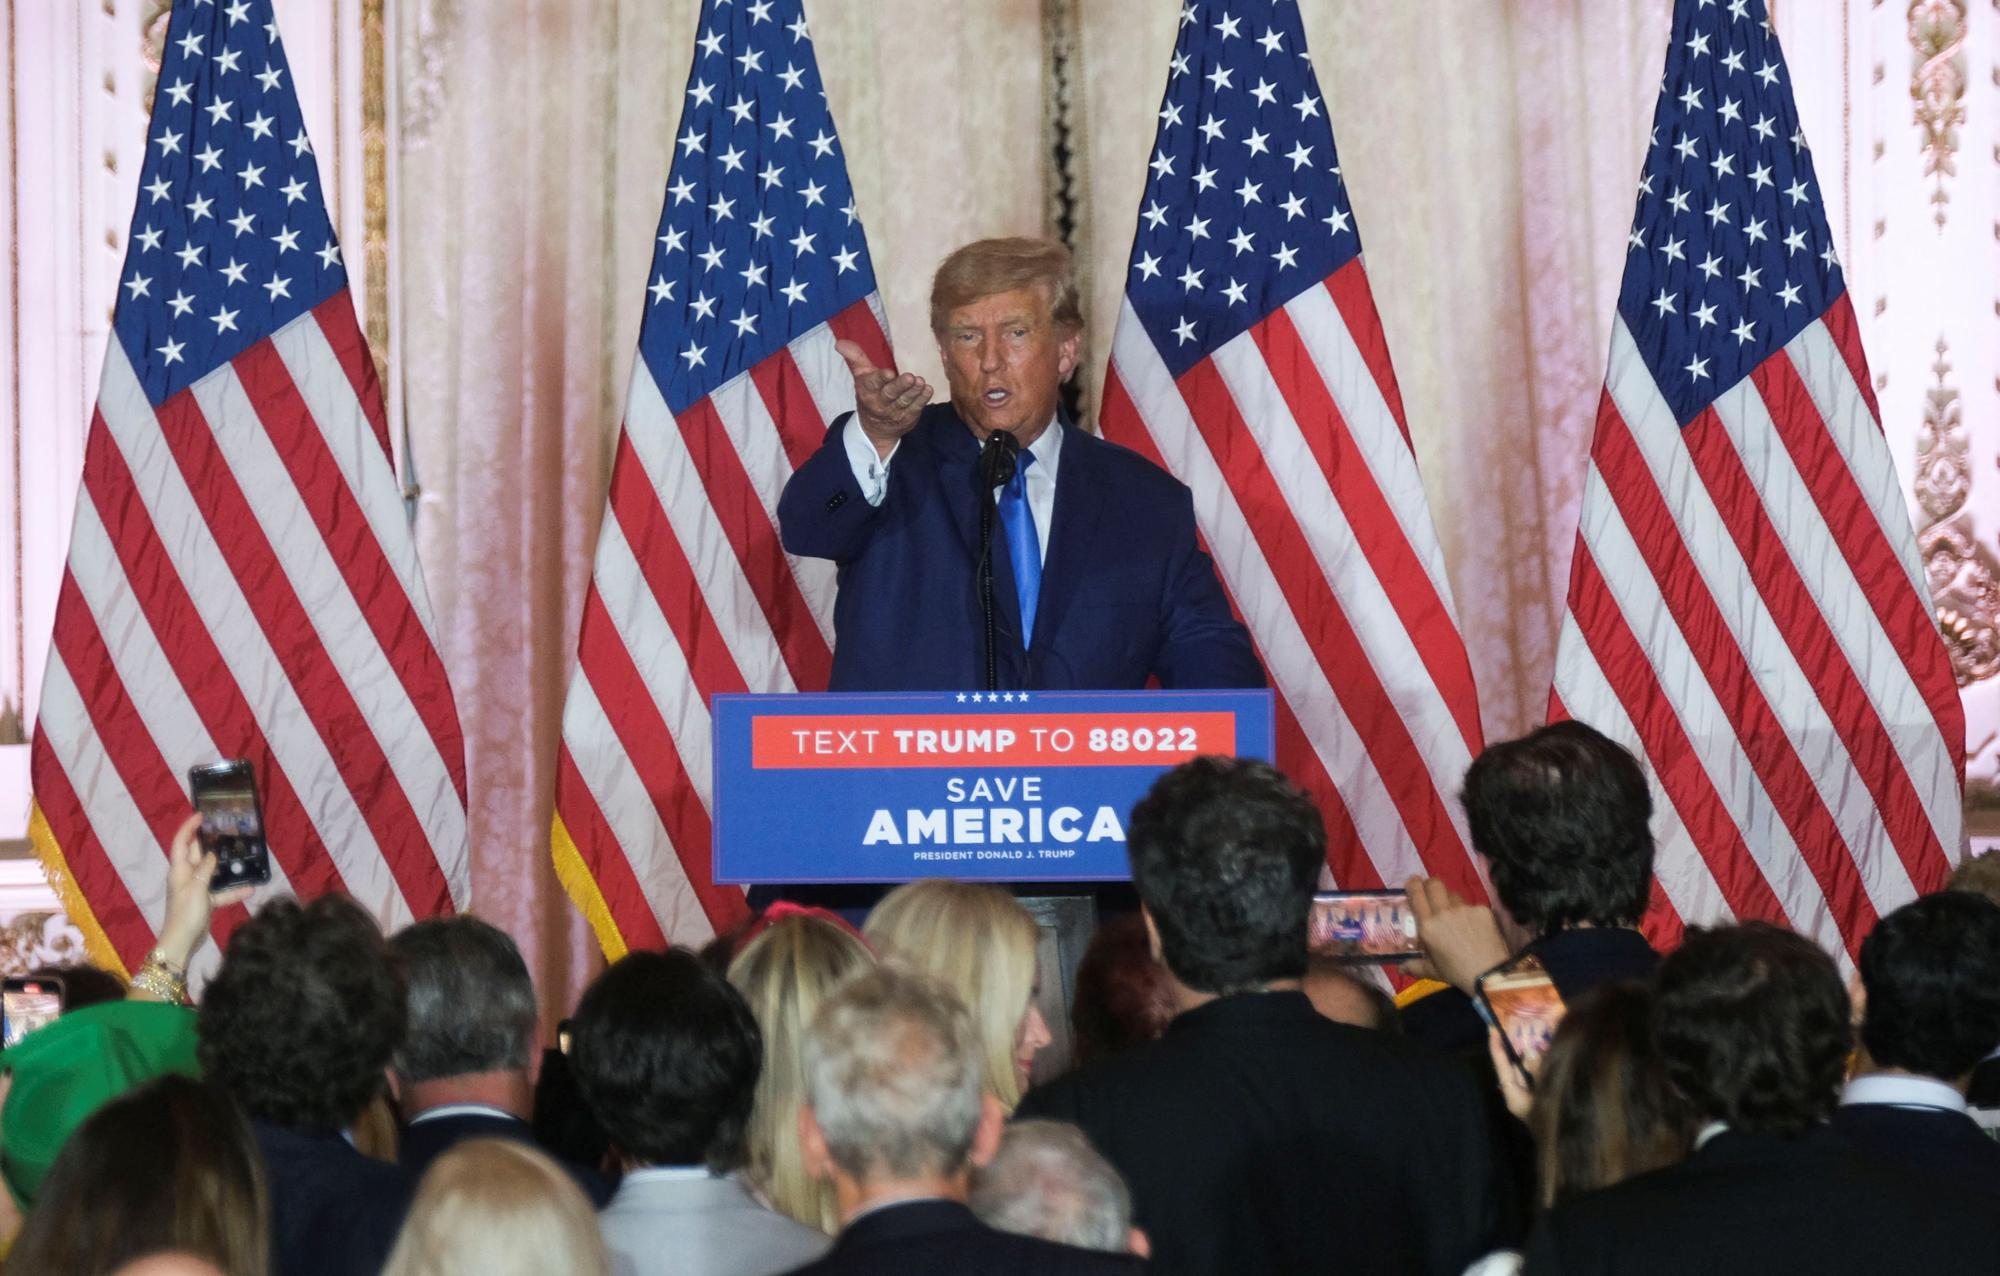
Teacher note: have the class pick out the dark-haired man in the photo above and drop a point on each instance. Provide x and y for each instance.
(1928, 990)
(298, 1024)
(1561, 818)
(470, 1054)
(1752, 1027)
(667, 1054)
(1256, 1134)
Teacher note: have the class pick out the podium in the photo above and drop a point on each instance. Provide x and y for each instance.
(1030, 789)
(999, 786)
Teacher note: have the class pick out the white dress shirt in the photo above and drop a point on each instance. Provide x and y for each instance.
(871, 471)
(1903, 1092)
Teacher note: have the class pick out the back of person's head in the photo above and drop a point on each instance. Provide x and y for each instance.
(894, 1077)
(1603, 1110)
(83, 984)
(1225, 854)
(496, 1207)
(786, 973)
(1977, 875)
(667, 1055)
(1563, 817)
(1345, 997)
(304, 1013)
(981, 943)
(1752, 1027)
(1046, 1180)
(1931, 975)
(1122, 998)
(170, 1165)
(471, 1002)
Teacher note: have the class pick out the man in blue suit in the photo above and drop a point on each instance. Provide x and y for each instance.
(1098, 581)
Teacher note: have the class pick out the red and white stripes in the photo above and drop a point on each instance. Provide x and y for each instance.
(691, 594)
(241, 583)
(1292, 438)
(1747, 611)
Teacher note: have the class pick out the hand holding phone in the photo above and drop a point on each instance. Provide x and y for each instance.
(232, 823)
(27, 1004)
(1520, 999)
(1362, 926)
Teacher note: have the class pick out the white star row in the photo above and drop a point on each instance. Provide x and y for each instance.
(993, 697)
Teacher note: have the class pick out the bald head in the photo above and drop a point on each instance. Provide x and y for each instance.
(169, 1265)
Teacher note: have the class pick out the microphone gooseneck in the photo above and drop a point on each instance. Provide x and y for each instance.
(999, 457)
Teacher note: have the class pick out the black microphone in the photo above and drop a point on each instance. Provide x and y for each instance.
(998, 460)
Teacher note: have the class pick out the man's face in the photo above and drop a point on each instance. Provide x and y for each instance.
(1006, 359)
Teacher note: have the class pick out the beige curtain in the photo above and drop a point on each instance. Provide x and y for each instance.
(1491, 148)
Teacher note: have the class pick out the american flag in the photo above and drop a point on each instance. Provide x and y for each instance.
(758, 268)
(1250, 361)
(1747, 610)
(241, 579)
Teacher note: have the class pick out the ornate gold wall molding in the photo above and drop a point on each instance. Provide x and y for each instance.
(1937, 86)
(1964, 576)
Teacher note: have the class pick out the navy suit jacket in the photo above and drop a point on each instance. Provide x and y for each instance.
(1126, 594)
(334, 1212)
(423, 1142)
(1754, 1205)
(1922, 1140)
(925, 1237)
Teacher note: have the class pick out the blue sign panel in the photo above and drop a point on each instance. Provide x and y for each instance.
(998, 786)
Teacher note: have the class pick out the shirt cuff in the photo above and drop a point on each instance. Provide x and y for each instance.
(871, 468)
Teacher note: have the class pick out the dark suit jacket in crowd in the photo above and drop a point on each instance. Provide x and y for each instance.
(425, 1141)
(1925, 1140)
(925, 1237)
(1258, 1136)
(1577, 960)
(1755, 1205)
(334, 1212)
(1126, 593)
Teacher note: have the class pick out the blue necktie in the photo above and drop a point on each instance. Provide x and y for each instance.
(1024, 547)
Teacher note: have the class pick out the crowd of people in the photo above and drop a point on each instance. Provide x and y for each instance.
(805, 1096)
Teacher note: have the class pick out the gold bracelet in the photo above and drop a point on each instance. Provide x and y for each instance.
(158, 957)
(157, 977)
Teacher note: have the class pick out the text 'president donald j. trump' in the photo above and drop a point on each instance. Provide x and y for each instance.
(1097, 580)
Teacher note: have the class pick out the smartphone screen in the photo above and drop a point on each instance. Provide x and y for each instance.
(1362, 926)
(28, 1004)
(1520, 999)
(232, 823)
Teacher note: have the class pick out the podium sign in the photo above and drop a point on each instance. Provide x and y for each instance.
(997, 786)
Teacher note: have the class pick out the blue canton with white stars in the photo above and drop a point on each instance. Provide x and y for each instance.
(230, 240)
(758, 241)
(1730, 255)
(1245, 208)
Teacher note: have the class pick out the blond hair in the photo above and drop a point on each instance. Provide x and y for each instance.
(785, 974)
(982, 945)
(493, 1206)
(989, 267)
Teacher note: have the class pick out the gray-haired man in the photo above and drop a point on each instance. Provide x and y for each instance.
(1047, 1181)
(472, 1050)
(896, 1118)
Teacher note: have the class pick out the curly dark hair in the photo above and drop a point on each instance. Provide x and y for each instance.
(1931, 970)
(1225, 854)
(667, 1054)
(1563, 817)
(1752, 1026)
(304, 1013)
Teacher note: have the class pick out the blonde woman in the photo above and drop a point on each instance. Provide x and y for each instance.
(980, 942)
(493, 1207)
(792, 959)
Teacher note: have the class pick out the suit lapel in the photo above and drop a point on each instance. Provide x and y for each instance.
(1072, 526)
(951, 450)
